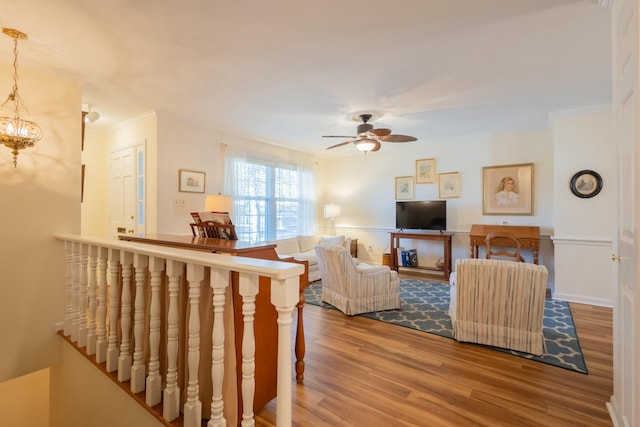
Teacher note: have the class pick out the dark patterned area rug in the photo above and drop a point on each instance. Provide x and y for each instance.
(424, 307)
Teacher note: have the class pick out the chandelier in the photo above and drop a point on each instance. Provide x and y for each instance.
(15, 132)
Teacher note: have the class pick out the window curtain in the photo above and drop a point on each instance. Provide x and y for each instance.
(236, 183)
(307, 217)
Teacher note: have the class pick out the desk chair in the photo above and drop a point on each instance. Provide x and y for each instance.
(496, 244)
(215, 230)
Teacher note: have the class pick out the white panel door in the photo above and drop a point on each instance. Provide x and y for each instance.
(624, 407)
(122, 192)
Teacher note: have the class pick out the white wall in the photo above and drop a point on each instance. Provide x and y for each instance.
(190, 146)
(584, 227)
(364, 187)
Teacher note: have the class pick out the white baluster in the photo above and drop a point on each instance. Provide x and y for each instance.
(68, 288)
(154, 380)
(285, 294)
(75, 292)
(114, 309)
(219, 281)
(193, 406)
(138, 370)
(124, 359)
(92, 336)
(101, 344)
(171, 399)
(248, 290)
(82, 297)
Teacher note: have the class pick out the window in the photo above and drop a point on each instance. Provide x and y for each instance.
(269, 200)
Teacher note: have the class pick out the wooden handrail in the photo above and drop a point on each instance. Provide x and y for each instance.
(95, 264)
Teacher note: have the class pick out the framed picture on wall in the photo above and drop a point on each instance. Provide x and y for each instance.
(507, 190)
(425, 171)
(191, 181)
(448, 185)
(404, 187)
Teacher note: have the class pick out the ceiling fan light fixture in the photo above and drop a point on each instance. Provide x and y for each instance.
(365, 145)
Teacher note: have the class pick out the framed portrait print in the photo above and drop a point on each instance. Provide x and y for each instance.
(507, 189)
(404, 187)
(448, 185)
(191, 181)
(425, 171)
(586, 184)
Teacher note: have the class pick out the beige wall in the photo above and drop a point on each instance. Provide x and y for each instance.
(25, 400)
(82, 395)
(39, 198)
(94, 208)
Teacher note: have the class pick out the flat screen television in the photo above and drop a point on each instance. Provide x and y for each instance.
(421, 215)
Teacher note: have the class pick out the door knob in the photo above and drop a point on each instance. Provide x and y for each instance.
(615, 258)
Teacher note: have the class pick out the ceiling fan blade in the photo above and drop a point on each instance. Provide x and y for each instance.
(339, 145)
(398, 138)
(338, 136)
(380, 132)
(377, 147)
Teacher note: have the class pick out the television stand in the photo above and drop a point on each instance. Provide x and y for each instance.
(444, 237)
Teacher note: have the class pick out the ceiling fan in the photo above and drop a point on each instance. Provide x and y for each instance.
(368, 138)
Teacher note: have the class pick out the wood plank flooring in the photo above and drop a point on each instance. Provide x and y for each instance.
(362, 372)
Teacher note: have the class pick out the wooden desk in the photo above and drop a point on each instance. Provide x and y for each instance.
(266, 328)
(444, 237)
(529, 237)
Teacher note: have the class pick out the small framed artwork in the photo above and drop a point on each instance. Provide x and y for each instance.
(448, 185)
(586, 184)
(191, 181)
(425, 171)
(507, 189)
(404, 187)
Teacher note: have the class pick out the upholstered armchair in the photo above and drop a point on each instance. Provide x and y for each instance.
(499, 303)
(354, 287)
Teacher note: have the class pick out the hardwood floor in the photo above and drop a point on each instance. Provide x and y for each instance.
(362, 372)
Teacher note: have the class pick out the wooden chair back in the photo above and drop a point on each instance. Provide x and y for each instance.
(214, 230)
(497, 244)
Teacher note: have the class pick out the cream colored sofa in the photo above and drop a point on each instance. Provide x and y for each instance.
(499, 303)
(301, 248)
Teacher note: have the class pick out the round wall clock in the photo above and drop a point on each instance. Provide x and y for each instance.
(586, 183)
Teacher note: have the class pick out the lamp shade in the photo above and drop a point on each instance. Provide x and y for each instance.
(332, 210)
(218, 203)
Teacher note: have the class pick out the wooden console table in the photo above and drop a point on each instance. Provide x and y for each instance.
(529, 237)
(443, 237)
(266, 333)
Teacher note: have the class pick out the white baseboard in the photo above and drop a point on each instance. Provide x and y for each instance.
(603, 302)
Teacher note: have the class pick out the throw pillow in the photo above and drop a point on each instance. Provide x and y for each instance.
(307, 243)
(332, 240)
(287, 246)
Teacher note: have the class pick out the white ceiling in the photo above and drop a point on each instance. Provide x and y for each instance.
(288, 72)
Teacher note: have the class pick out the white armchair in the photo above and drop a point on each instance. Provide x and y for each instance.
(499, 303)
(353, 287)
